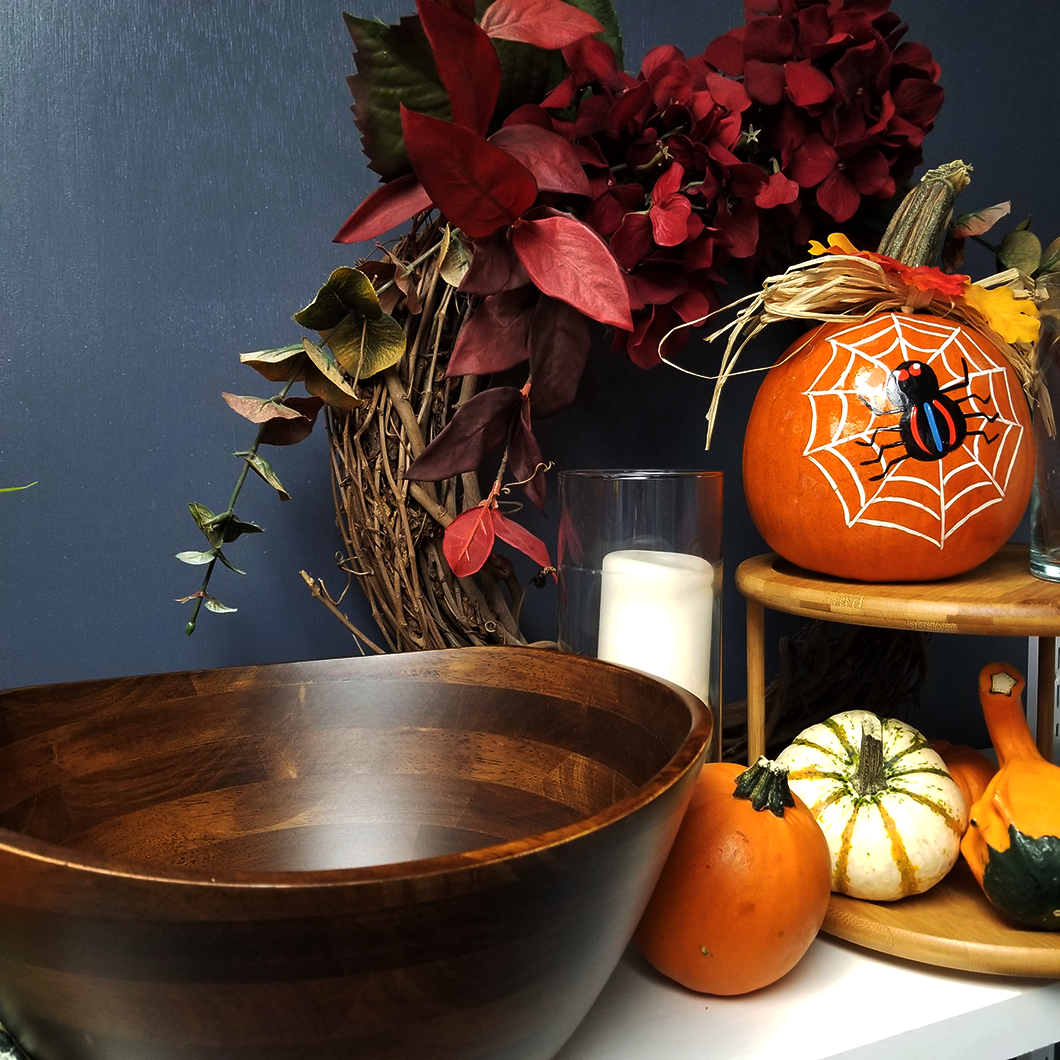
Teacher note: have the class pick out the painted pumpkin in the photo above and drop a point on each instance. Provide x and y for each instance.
(891, 813)
(1013, 840)
(745, 888)
(897, 449)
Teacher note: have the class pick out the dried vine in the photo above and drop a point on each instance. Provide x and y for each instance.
(392, 527)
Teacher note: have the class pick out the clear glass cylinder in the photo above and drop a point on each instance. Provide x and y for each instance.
(640, 574)
(1045, 497)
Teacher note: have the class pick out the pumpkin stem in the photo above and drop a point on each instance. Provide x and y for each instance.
(765, 784)
(869, 777)
(918, 227)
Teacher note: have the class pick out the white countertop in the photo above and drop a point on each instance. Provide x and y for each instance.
(840, 1001)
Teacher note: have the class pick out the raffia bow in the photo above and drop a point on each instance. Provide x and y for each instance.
(843, 284)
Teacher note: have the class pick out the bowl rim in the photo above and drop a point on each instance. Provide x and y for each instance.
(690, 753)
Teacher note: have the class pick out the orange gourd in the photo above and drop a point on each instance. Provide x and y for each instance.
(894, 449)
(970, 768)
(1013, 840)
(746, 885)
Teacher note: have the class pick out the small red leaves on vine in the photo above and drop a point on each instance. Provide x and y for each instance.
(478, 187)
(468, 540)
(521, 538)
(296, 429)
(524, 456)
(569, 261)
(560, 339)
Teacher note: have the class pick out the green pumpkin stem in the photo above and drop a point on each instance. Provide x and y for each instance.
(765, 785)
(869, 777)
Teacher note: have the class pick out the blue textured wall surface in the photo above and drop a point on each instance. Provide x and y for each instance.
(171, 176)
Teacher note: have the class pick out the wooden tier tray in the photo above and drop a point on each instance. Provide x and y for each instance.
(951, 926)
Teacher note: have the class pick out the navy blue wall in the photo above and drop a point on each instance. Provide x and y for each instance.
(170, 179)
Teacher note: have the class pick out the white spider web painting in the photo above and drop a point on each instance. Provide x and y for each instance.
(852, 418)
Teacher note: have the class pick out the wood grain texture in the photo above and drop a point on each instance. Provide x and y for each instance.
(1000, 597)
(952, 926)
(439, 854)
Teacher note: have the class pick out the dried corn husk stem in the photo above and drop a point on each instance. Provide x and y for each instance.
(393, 527)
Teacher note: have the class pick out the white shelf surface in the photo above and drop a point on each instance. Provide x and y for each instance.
(840, 1002)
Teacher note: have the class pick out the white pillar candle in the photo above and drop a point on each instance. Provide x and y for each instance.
(655, 615)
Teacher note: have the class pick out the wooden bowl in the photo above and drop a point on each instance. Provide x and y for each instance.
(437, 855)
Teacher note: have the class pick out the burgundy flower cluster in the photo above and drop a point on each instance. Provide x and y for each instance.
(619, 199)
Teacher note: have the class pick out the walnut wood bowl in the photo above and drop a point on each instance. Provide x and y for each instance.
(439, 854)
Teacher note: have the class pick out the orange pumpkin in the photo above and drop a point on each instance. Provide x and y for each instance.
(970, 768)
(895, 449)
(746, 885)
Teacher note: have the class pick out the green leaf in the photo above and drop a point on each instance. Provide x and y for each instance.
(205, 520)
(224, 560)
(233, 528)
(364, 347)
(276, 365)
(1020, 249)
(325, 379)
(197, 558)
(346, 291)
(395, 65)
(15, 489)
(260, 466)
(455, 260)
(1051, 257)
(215, 605)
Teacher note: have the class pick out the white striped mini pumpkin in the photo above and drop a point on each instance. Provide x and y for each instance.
(891, 813)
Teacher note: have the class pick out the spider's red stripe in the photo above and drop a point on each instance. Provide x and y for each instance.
(950, 425)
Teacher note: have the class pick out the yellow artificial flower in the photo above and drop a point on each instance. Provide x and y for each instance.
(1014, 319)
(837, 244)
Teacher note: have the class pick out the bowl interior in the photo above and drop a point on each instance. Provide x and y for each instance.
(333, 765)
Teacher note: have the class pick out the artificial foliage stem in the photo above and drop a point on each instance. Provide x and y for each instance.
(230, 511)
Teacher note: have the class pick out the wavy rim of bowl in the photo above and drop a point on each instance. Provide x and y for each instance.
(690, 752)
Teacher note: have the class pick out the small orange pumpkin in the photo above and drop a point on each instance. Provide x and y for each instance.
(746, 885)
(970, 768)
(894, 449)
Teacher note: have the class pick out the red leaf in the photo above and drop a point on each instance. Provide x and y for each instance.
(468, 541)
(396, 201)
(569, 261)
(543, 23)
(467, 63)
(523, 540)
(476, 428)
(495, 337)
(294, 430)
(549, 156)
(478, 187)
(524, 457)
(560, 338)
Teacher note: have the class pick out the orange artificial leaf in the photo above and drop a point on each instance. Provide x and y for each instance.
(468, 540)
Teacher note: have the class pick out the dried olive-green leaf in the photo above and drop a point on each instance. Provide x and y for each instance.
(215, 605)
(325, 379)
(231, 528)
(197, 558)
(455, 260)
(260, 410)
(276, 365)
(221, 556)
(1020, 249)
(1051, 257)
(260, 466)
(347, 290)
(205, 520)
(364, 347)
